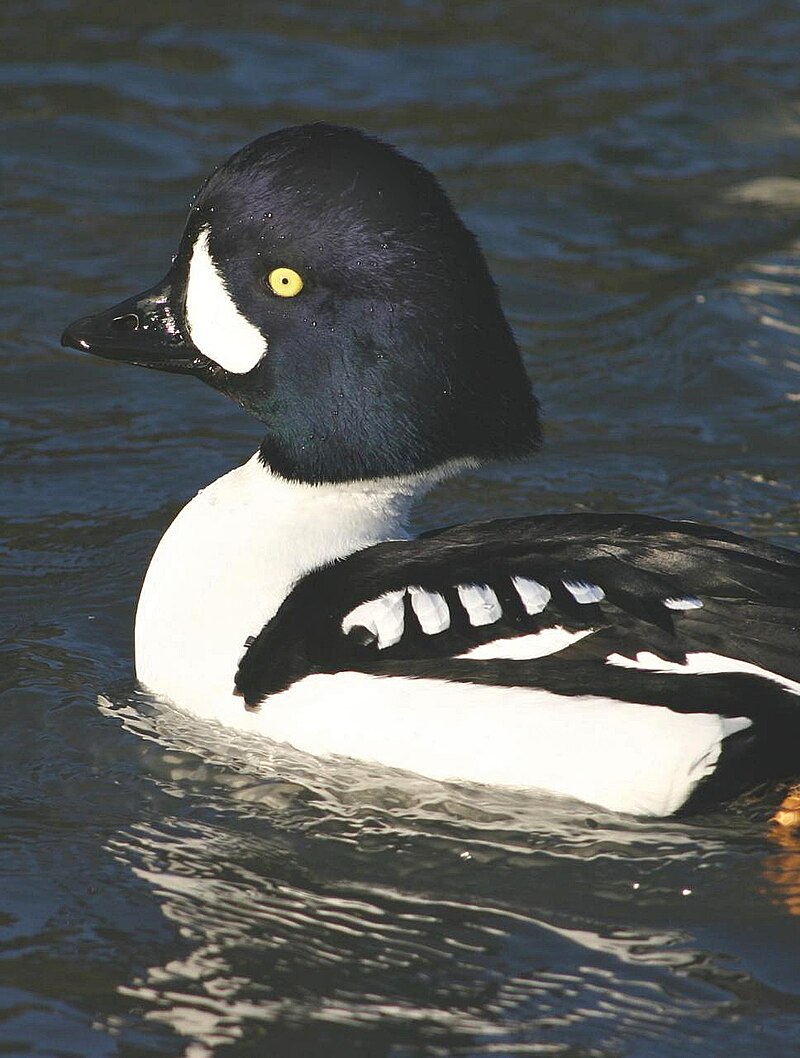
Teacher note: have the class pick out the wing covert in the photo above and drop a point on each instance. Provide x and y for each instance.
(636, 583)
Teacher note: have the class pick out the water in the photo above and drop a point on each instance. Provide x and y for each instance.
(632, 171)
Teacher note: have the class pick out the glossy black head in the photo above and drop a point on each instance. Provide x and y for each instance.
(326, 284)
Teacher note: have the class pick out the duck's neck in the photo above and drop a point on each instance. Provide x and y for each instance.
(233, 554)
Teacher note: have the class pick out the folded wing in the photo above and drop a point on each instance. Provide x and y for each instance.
(482, 602)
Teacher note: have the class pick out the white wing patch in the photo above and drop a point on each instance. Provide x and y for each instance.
(533, 595)
(701, 663)
(431, 610)
(481, 603)
(216, 326)
(683, 602)
(383, 617)
(583, 591)
(523, 648)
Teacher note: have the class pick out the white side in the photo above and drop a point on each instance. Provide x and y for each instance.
(216, 326)
(641, 759)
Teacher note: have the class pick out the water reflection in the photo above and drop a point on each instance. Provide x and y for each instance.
(332, 895)
(782, 868)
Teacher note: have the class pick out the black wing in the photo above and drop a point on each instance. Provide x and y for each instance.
(639, 583)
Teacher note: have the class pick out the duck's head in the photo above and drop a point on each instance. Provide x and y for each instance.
(325, 283)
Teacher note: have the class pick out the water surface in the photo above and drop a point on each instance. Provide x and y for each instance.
(632, 171)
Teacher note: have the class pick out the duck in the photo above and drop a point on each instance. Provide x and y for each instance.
(325, 283)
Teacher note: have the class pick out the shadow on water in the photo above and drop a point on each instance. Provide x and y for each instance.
(632, 171)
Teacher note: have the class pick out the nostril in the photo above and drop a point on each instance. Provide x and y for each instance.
(128, 322)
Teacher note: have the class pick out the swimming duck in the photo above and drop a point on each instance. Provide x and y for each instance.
(325, 283)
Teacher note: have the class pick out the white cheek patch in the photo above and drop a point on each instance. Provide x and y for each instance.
(215, 324)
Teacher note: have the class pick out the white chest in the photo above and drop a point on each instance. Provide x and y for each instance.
(227, 562)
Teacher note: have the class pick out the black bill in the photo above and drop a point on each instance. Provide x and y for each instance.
(143, 330)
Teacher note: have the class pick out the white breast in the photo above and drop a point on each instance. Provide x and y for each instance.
(230, 558)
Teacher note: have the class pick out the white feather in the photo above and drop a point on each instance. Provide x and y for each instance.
(683, 602)
(481, 604)
(384, 617)
(583, 591)
(533, 595)
(216, 326)
(522, 648)
(431, 610)
(698, 664)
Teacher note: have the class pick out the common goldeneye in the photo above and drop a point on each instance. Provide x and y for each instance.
(325, 283)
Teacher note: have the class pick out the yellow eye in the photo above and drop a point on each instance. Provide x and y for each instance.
(284, 282)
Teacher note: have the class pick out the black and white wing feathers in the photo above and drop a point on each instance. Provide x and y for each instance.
(629, 583)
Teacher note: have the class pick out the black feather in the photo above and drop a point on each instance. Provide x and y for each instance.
(750, 593)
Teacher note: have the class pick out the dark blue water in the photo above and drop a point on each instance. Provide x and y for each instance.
(633, 171)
